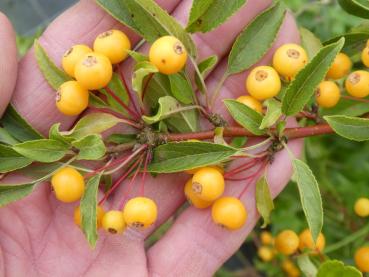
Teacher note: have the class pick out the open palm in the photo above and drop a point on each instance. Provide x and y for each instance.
(37, 234)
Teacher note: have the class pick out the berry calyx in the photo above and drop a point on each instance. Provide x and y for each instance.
(327, 94)
(265, 253)
(362, 259)
(251, 102)
(208, 184)
(71, 98)
(99, 216)
(140, 212)
(289, 59)
(72, 56)
(362, 207)
(113, 222)
(340, 67)
(168, 54)
(113, 44)
(357, 83)
(306, 242)
(287, 242)
(229, 212)
(68, 184)
(266, 238)
(192, 197)
(94, 71)
(263, 82)
(365, 56)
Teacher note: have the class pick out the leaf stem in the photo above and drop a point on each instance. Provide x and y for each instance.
(133, 114)
(202, 81)
(217, 89)
(122, 118)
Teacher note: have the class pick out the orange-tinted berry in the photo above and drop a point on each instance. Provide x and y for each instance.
(72, 98)
(72, 56)
(287, 242)
(99, 215)
(193, 198)
(357, 83)
(68, 184)
(208, 183)
(362, 207)
(327, 94)
(113, 222)
(251, 102)
(362, 259)
(340, 67)
(140, 212)
(306, 242)
(266, 238)
(229, 212)
(266, 254)
(263, 82)
(365, 56)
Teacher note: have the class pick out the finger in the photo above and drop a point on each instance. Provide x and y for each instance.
(8, 62)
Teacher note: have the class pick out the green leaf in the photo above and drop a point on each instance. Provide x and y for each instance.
(245, 116)
(181, 88)
(88, 210)
(310, 196)
(42, 150)
(302, 88)
(55, 134)
(206, 15)
(354, 41)
(356, 7)
(141, 71)
(137, 56)
(7, 138)
(310, 42)
(53, 75)
(353, 128)
(306, 265)
(119, 90)
(17, 126)
(121, 138)
(335, 268)
(264, 200)
(273, 113)
(11, 160)
(10, 193)
(90, 147)
(205, 66)
(255, 40)
(180, 156)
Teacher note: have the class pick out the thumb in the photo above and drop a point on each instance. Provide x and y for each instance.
(8, 62)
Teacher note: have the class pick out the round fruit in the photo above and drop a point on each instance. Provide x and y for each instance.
(193, 198)
(327, 94)
(287, 242)
(140, 212)
(68, 184)
(168, 54)
(263, 82)
(265, 253)
(208, 183)
(99, 215)
(362, 259)
(365, 56)
(357, 83)
(113, 44)
(93, 71)
(71, 98)
(113, 222)
(266, 238)
(306, 242)
(217, 167)
(362, 207)
(251, 102)
(289, 59)
(289, 267)
(72, 56)
(229, 212)
(340, 67)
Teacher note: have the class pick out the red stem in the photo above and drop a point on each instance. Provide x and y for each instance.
(147, 160)
(109, 165)
(240, 168)
(132, 113)
(355, 99)
(137, 110)
(120, 116)
(253, 177)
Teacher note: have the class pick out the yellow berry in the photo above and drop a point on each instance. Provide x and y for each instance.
(251, 102)
(113, 44)
(168, 54)
(217, 167)
(362, 207)
(287, 242)
(340, 67)
(263, 82)
(265, 253)
(365, 56)
(289, 59)
(72, 56)
(193, 198)
(208, 183)
(93, 71)
(71, 98)
(229, 212)
(357, 83)
(68, 184)
(99, 215)
(140, 212)
(266, 238)
(113, 222)
(306, 242)
(362, 259)
(290, 268)
(327, 94)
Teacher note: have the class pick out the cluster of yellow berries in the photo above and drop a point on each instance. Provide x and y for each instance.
(139, 212)
(206, 188)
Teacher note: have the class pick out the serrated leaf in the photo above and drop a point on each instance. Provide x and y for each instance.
(55, 134)
(272, 114)
(353, 128)
(53, 75)
(310, 42)
(116, 86)
(356, 7)
(42, 150)
(306, 265)
(6, 137)
(10, 160)
(264, 200)
(90, 147)
(255, 40)
(206, 15)
(245, 116)
(335, 268)
(181, 88)
(13, 192)
(121, 138)
(205, 66)
(88, 210)
(177, 157)
(310, 196)
(354, 41)
(141, 71)
(302, 88)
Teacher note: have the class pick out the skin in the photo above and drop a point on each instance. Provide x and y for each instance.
(38, 236)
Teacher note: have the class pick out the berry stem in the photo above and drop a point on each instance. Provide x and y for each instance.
(133, 114)
(240, 168)
(147, 161)
(202, 81)
(129, 92)
(120, 116)
(217, 89)
(253, 176)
